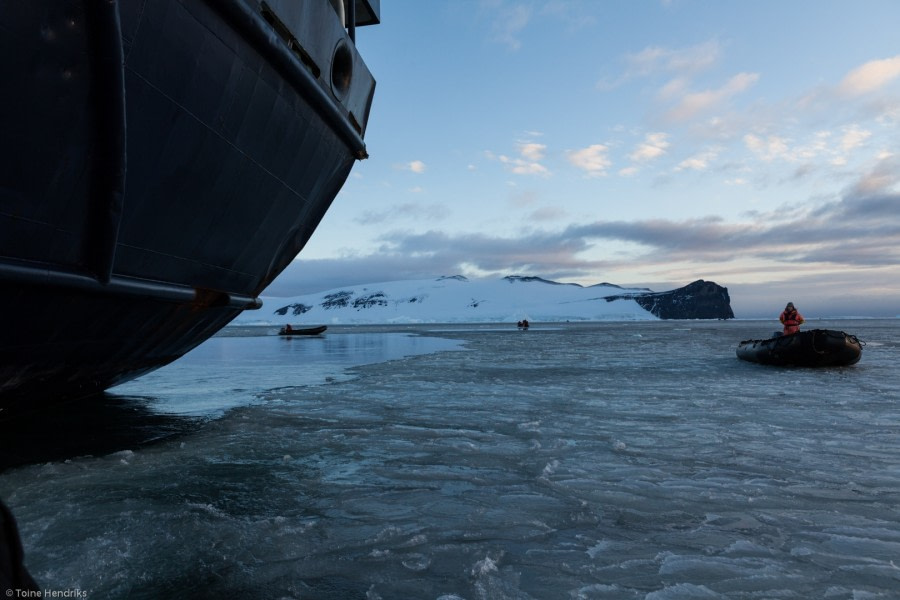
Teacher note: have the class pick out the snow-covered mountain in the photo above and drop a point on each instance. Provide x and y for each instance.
(456, 299)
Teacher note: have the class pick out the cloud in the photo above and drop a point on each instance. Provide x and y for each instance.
(416, 166)
(699, 161)
(863, 90)
(491, 254)
(687, 60)
(308, 276)
(524, 199)
(532, 151)
(528, 161)
(870, 77)
(546, 213)
(819, 247)
(693, 104)
(523, 167)
(854, 137)
(819, 151)
(654, 146)
(857, 231)
(571, 15)
(594, 159)
(879, 181)
(675, 88)
(508, 20)
(681, 63)
(410, 210)
(768, 149)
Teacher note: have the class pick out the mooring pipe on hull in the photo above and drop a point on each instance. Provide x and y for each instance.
(127, 286)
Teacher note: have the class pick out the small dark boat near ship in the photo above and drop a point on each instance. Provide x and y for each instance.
(162, 161)
(288, 330)
(813, 348)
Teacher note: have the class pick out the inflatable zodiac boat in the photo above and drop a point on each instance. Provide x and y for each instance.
(813, 348)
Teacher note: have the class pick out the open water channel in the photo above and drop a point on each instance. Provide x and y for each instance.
(601, 460)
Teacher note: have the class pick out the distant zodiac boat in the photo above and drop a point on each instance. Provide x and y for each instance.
(161, 163)
(288, 330)
(814, 348)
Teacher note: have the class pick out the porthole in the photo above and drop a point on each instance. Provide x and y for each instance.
(341, 70)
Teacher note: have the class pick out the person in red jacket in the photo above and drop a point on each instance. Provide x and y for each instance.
(791, 319)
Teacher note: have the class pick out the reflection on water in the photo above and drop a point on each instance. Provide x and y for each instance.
(91, 426)
(233, 369)
(227, 371)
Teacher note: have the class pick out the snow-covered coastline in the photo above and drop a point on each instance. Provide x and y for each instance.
(453, 300)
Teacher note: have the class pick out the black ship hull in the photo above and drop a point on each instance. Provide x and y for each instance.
(162, 162)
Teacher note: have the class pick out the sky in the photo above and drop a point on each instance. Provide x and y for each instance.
(641, 143)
